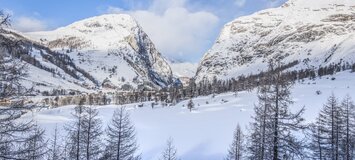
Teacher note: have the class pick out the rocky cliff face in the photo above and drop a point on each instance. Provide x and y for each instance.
(315, 33)
(113, 49)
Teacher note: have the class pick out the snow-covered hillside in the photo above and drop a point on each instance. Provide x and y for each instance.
(206, 132)
(316, 33)
(46, 70)
(113, 49)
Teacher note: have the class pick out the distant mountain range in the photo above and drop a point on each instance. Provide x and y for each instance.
(113, 52)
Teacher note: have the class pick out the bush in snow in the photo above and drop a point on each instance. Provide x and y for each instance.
(190, 105)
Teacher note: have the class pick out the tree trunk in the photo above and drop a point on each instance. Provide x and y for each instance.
(78, 137)
(276, 132)
(119, 136)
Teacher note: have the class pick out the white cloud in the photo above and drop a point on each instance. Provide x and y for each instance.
(8, 11)
(29, 24)
(273, 3)
(111, 9)
(177, 32)
(160, 6)
(240, 3)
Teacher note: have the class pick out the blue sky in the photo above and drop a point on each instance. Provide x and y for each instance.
(181, 29)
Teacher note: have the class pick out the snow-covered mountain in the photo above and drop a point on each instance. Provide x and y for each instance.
(113, 49)
(315, 33)
(47, 70)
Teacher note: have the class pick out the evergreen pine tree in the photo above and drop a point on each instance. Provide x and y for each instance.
(84, 134)
(121, 141)
(348, 129)
(333, 133)
(35, 147)
(261, 128)
(55, 150)
(15, 136)
(74, 144)
(236, 150)
(331, 121)
(318, 142)
(274, 120)
(91, 133)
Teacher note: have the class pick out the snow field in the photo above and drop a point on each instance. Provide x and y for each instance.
(206, 132)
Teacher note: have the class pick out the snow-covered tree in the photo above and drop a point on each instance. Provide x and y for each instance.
(236, 149)
(170, 152)
(121, 141)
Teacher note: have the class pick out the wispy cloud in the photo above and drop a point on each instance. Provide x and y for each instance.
(111, 9)
(28, 24)
(240, 3)
(273, 3)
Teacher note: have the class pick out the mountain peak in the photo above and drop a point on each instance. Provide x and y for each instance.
(100, 32)
(104, 22)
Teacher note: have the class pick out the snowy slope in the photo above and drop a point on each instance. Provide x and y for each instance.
(47, 70)
(206, 132)
(113, 48)
(316, 33)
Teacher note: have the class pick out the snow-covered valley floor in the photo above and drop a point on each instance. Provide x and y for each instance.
(206, 132)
